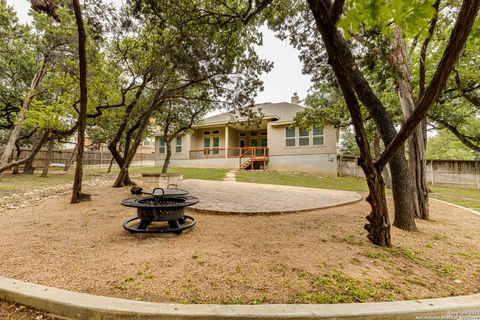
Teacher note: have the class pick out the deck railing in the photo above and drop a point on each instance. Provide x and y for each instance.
(236, 152)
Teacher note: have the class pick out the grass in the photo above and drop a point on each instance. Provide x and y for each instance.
(303, 180)
(336, 287)
(464, 197)
(188, 173)
(22, 182)
(469, 198)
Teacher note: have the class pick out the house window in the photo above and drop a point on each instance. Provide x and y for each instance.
(178, 145)
(304, 137)
(318, 137)
(211, 140)
(290, 137)
(161, 146)
(146, 142)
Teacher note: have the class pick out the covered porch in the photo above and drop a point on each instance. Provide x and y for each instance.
(248, 144)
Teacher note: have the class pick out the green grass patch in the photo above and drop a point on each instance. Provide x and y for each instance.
(188, 173)
(303, 180)
(464, 197)
(338, 288)
(10, 183)
(377, 255)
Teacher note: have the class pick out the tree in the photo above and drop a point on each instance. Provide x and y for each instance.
(77, 194)
(353, 84)
(10, 30)
(175, 119)
(183, 47)
(445, 146)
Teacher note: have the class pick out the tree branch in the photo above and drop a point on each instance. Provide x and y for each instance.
(423, 51)
(456, 43)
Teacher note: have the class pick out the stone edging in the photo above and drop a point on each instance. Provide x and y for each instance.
(475, 212)
(83, 306)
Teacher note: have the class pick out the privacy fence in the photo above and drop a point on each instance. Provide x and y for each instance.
(456, 173)
(100, 159)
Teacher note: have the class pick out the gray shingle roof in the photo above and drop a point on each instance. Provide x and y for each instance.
(283, 111)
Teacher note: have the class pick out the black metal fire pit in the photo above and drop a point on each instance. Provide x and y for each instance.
(167, 206)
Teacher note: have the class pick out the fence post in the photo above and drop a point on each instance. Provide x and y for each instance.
(433, 173)
(356, 167)
(340, 167)
(101, 157)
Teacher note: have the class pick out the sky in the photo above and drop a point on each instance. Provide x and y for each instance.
(279, 84)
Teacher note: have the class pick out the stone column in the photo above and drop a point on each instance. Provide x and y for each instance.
(226, 141)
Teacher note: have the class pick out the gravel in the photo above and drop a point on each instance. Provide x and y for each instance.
(34, 197)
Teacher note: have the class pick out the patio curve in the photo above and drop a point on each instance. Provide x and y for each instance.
(231, 197)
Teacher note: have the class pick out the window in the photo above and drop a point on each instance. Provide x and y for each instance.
(146, 142)
(290, 137)
(318, 136)
(178, 145)
(161, 145)
(304, 137)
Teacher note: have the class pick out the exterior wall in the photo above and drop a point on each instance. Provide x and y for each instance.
(323, 164)
(186, 143)
(197, 137)
(225, 163)
(233, 138)
(276, 142)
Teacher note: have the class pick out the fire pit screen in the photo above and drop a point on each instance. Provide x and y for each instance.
(165, 207)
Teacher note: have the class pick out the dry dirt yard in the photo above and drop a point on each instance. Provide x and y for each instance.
(320, 256)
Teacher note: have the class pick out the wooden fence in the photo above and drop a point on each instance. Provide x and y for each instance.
(455, 173)
(100, 159)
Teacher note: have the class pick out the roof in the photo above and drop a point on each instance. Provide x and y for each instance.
(281, 112)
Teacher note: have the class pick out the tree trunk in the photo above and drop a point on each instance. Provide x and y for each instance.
(110, 165)
(123, 174)
(416, 147)
(48, 158)
(168, 155)
(69, 162)
(378, 225)
(113, 145)
(77, 194)
(15, 169)
(345, 68)
(378, 153)
(37, 79)
(28, 160)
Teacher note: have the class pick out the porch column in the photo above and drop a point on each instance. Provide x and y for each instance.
(226, 141)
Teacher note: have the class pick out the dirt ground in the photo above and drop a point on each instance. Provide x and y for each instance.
(321, 256)
(10, 311)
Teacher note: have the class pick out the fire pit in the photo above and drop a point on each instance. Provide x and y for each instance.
(167, 206)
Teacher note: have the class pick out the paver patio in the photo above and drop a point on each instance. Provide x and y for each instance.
(232, 197)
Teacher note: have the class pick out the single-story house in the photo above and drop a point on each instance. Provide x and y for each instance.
(274, 143)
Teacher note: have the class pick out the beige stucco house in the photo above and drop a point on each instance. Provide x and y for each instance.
(273, 144)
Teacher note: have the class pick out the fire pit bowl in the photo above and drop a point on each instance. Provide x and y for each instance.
(166, 207)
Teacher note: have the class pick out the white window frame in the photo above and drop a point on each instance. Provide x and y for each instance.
(160, 146)
(294, 138)
(305, 137)
(318, 136)
(178, 145)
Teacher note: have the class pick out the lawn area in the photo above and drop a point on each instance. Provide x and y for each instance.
(469, 198)
(22, 182)
(303, 180)
(188, 173)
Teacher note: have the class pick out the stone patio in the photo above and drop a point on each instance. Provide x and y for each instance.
(230, 197)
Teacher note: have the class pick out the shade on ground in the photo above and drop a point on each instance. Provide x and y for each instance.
(231, 197)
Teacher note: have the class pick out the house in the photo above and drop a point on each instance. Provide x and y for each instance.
(273, 143)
